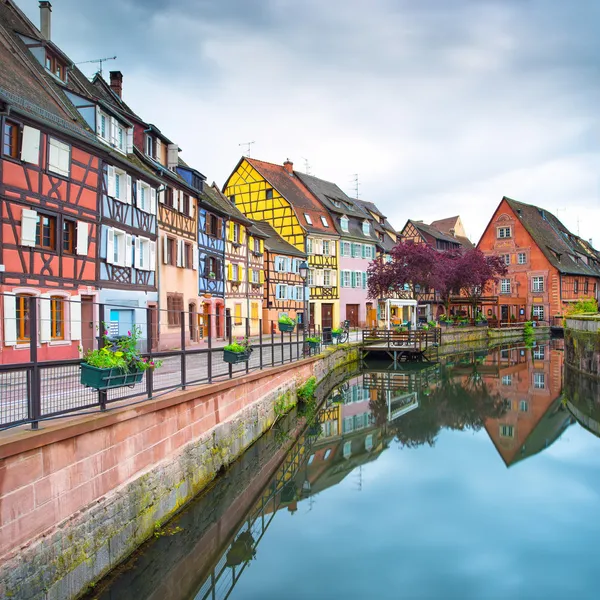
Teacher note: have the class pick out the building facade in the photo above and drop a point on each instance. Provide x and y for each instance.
(275, 194)
(549, 267)
(285, 292)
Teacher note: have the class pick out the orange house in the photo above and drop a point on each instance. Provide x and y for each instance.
(548, 266)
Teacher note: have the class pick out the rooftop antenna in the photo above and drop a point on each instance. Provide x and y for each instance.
(97, 60)
(249, 146)
(557, 211)
(306, 166)
(355, 185)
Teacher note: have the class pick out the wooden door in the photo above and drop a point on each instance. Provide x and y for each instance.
(326, 315)
(504, 313)
(153, 322)
(205, 319)
(352, 314)
(88, 330)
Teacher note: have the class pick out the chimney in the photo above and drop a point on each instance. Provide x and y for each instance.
(45, 19)
(590, 241)
(288, 165)
(172, 156)
(453, 232)
(116, 82)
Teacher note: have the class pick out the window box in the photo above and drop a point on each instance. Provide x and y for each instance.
(104, 379)
(257, 254)
(286, 327)
(231, 357)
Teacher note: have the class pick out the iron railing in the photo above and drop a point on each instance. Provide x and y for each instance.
(35, 385)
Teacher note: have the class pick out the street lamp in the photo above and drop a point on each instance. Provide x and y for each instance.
(303, 271)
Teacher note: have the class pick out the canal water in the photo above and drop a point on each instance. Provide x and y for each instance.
(467, 479)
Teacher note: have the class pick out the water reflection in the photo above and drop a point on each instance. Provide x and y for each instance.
(513, 394)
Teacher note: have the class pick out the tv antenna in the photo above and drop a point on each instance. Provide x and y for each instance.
(356, 185)
(97, 60)
(306, 166)
(249, 146)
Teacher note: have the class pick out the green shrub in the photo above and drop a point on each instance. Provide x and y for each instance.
(306, 391)
(584, 305)
(285, 320)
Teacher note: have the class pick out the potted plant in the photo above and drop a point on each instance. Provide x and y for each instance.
(336, 332)
(118, 363)
(313, 342)
(286, 323)
(237, 352)
(211, 275)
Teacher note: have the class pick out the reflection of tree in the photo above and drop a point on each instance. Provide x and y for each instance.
(456, 402)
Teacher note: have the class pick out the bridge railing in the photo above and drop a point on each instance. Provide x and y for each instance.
(419, 339)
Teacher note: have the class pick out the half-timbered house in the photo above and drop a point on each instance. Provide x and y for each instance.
(275, 194)
(357, 247)
(548, 267)
(285, 292)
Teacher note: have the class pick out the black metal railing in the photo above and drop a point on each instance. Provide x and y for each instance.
(40, 361)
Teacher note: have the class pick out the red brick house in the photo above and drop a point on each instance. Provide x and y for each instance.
(548, 266)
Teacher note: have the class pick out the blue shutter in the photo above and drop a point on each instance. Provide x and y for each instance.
(353, 279)
(364, 250)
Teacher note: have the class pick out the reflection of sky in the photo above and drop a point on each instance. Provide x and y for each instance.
(445, 522)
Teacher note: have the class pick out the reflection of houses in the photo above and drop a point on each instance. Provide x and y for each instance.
(582, 396)
(529, 381)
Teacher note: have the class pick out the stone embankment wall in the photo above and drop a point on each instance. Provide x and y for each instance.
(457, 339)
(582, 344)
(80, 495)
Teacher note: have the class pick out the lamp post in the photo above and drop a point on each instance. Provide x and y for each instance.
(303, 271)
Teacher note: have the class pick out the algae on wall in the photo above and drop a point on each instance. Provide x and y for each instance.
(582, 351)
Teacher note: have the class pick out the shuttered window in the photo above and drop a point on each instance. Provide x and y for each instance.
(59, 157)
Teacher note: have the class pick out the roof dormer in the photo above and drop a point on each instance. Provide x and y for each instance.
(344, 223)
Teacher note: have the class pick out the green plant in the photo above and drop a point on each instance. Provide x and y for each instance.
(287, 320)
(315, 339)
(239, 346)
(121, 354)
(306, 391)
(584, 305)
(337, 331)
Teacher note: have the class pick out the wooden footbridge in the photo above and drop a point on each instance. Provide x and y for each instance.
(401, 346)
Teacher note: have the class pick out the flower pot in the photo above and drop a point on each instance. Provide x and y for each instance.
(236, 357)
(105, 379)
(314, 345)
(285, 327)
(335, 334)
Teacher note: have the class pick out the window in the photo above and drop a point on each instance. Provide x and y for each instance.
(368, 251)
(346, 249)
(505, 286)
(539, 381)
(237, 314)
(538, 284)
(325, 247)
(170, 251)
(309, 246)
(503, 232)
(57, 318)
(506, 379)
(324, 221)
(576, 286)
(344, 223)
(174, 308)
(59, 157)
(308, 219)
(212, 268)
(522, 258)
(55, 66)
(22, 317)
(120, 138)
(311, 459)
(184, 207)
(232, 198)
(68, 237)
(310, 280)
(189, 255)
(280, 264)
(356, 250)
(150, 146)
(269, 193)
(586, 287)
(538, 311)
(281, 292)
(10, 139)
(506, 258)
(256, 246)
(255, 276)
(507, 431)
(524, 406)
(345, 279)
(327, 454)
(45, 232)
(169, 197)
(347, 449)
(366, 228)
(103, 119)
(236, 233)
(326, 277)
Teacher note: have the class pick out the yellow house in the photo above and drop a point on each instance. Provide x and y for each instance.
(274, 193)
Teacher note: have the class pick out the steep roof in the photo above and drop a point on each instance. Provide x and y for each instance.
(432, 231)
(383, 224)
(274, 242)
(564, 250)
(338, 204)
(213, 196)
(452, 226)
(295, 192)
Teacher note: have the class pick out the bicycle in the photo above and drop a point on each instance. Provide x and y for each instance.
(344, 336)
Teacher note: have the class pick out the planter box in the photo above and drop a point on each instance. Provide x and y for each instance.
(236, 357)
(105, 379)
(285, 327)
(313, 345)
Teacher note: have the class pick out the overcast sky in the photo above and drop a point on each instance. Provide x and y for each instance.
(440, 106)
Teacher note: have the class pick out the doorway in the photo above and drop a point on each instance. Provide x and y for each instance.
(192, 322)
(352, 314)
(205, 320)
(87, 323)
(504, 313)
(326, 315)
(219, 321)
